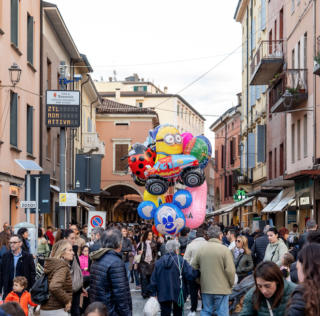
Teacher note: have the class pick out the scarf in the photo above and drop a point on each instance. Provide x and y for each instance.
(238, 252)
(148, 256)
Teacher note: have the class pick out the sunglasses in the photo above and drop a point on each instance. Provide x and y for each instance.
(238, 240)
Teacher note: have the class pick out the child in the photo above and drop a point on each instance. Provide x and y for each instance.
(20, 294)
(286, 261)
(84, 261)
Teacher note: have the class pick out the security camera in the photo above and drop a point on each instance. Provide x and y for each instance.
(77, 77)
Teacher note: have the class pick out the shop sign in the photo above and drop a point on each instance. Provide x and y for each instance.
(292, 217)
(240, 195)
(14, 191)
(304, 200)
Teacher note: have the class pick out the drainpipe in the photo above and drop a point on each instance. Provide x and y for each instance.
(91, 107)
(41, 87)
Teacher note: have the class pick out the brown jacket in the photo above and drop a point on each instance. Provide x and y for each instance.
(144, 267)
(60, 284)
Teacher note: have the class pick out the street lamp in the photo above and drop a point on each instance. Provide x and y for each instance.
(15, 73)
(241, 146)
(287, 96)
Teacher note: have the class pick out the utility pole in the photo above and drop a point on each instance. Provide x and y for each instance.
(62, 214)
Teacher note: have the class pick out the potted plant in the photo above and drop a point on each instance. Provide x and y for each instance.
(317, 59)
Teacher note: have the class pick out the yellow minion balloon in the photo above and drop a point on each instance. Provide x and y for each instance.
(156, 199)
(168, 142)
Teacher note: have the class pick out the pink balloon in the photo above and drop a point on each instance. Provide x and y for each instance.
(196, 212)
(186, 138)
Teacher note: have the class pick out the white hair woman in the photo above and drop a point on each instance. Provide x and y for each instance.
(169, 279)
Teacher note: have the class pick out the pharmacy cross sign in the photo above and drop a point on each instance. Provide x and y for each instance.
(240, 195)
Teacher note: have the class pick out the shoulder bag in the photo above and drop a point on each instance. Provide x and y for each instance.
(137, 257)
(76, 276)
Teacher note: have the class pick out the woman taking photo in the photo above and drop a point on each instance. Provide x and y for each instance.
(242, 258)
(276, 248)
(305, 299)
(271, 294)
(57, 268)
(149, 255)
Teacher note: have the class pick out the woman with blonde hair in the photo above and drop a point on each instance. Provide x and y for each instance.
(242, 258)
(57, 268)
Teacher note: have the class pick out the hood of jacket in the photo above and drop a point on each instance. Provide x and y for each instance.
(54, 263)
(168, 260)
(96, 255)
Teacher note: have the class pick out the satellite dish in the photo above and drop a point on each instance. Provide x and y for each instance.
(114, 72)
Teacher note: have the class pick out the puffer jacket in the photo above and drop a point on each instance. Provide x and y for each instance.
(23, 301)
(297, 305)
(294, 273)
(274, 252)
(193, 247)
(258, 250)
(109, 282)
(248, 303)
(243, 263)
(60, 284)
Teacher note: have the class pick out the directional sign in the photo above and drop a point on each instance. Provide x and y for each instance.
(28, 204)
(96, 221)
(68, 199)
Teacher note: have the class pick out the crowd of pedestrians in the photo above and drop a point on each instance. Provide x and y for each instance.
(92, 275)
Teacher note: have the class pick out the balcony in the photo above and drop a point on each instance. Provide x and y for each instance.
(293, 80)
(267, 62)
(240, 177)
(102, 149)
(90, 141)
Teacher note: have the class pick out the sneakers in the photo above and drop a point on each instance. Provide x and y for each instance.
(192, 314)
(199, 309)
(138, 288)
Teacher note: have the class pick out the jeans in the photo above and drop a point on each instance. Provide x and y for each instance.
(193, 287)
(127, 264)
(221, 302)
(136, 276)
(166, 308)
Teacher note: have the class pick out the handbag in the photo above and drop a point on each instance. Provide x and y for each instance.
(137, 258)
(76, 276)
(40, 290)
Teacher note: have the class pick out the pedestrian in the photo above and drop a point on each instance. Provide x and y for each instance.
(286, 261)
(194, 286)
(305, 299)
(126, 250)
(242, 258)
(271, 294)
(276, 248)
(259, 247)
(95, 237)
(149, 256)
(5, 225)
(12, 309)
(284, 235)
(183, 240)
(109, 283)
(256, 232)
(16, 262)
(84, 261)
(295, 230)
(231, 236)
(134, 274)
(216, 283)
(162, 248)
(169, 280)
(25, 234)
(246, 232)
(310, 225)
(78, 240)
(20, 294)
(225, 239)
(43, 247)
(50, 236)
(4, 242)
(84, 234)
(96, 309)
(57, 268)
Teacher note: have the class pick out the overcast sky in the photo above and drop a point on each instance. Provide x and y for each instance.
(122, 34)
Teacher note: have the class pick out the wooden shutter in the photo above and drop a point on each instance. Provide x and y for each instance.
(216, 158)
(135, 88)
(258, 94)
(30, 44)
(251, 150)
(15, 22)
(261, 143)
(14, 120)
(121, 151)
(264, 15)
(222, 156)
(263, 89)
(145, 88)
(305, 135)
(259, 24)
(305, 48)
(231, 152)
(253, 32)
(252, 95)
(30, 130)
(225, 186)
(234, 149)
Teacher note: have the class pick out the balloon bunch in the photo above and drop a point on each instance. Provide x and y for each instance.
(166, 158)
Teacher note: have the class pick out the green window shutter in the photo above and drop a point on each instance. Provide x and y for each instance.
(30, 129)
(14, 120)
(15, 22)
(261, 140)
(178, 109)
(135, 88)
(145, 88)
(140, 105)
(30, 39)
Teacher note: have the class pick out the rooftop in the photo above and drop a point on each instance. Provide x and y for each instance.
(233, 109)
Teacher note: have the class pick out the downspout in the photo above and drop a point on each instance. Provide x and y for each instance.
(41, 87)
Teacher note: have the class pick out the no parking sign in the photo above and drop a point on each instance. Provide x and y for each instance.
(96, 219)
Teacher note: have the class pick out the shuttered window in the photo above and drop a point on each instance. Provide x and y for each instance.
(305, 51)
(253, 35)
(222, 156)
(89, 125)
(231, 152)
(121, 151)
(252, 95)
(30, 44)
(258, 93)
(14, 120)
(263, 15)
(263, 89)
(305, 135)
(259, 24)
(30, 129)
(234, 148)
(292, 143)
(216, 158)
(15, 22)
(230, 185)
(299, 139)
(261, 143)
(251, 150)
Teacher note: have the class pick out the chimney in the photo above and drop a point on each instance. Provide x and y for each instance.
(142, 79)
(118, 95)
(110, 79)
(165, 90)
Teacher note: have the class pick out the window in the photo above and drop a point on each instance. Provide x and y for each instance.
(58, 149)
(293, 59)
(292, 6)
(48, 146)
(299, 48)
(281, 160)
(14, 120)
(189, 116)
(222, 156)
(49, 74)
(58, 78)
(305, 135)
(178, 109)
(211, 172)
(15, 22)
(221, 133)
(292, 142)
(225, 187)
(186, 116)
(259, 21)
(298, 1)
(253, 34)
(275, 162)
(270, 165)
(141, 88)
(211, 191)
(30, 44)
(140, 105)
(121, 150)
(305, 50)
(230, 186)
(299, 139)
(182, 112)
(30, 129)
(263, 15)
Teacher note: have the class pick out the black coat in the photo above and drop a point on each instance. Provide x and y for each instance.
(183, 241)
(27, 270)
(297, 305)
(126, 247)
(303, 240)
(294, 273)
(250, 240)
(96, 246)
(258, 249)
(109, 284)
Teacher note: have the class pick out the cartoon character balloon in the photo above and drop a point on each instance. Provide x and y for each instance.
(156, 199)
(186, 137)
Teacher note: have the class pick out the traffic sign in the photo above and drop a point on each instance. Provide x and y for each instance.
(68, 199)
(96, 219)
(28, 204)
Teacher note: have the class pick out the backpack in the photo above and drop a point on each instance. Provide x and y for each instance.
(40, 291)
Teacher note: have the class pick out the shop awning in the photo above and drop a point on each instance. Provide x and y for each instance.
(230, 208)
(280, 201)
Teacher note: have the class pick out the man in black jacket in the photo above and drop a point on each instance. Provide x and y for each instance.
(183, 240)
(259, 247)
(16, 262)
(246, 232)
(126, 248)
(310, 225)
(95, 237)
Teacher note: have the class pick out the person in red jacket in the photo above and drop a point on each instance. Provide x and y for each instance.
(20, 294)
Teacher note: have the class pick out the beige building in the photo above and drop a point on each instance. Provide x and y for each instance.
(170, 108)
